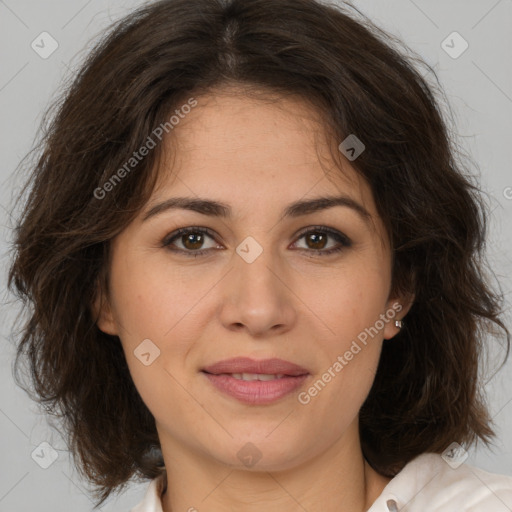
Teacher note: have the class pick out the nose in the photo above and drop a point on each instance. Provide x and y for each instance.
(257, 297)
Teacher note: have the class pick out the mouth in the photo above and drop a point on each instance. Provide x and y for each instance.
(240, 366)
(253, 376)
(255, 382)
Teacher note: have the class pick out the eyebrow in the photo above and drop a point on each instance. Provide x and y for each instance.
(218, 209)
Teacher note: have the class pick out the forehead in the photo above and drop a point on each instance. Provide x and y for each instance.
(246, 147)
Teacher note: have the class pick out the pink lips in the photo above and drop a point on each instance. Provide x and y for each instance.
(247, 365)
(256, 392)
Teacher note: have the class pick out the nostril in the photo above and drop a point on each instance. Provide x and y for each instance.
(392, 506)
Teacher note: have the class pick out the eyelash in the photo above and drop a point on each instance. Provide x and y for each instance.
(343, 240)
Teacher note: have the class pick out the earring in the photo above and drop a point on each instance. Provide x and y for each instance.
(399, 323)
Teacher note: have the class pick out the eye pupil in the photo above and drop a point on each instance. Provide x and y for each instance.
(318, 240)
(192, 240)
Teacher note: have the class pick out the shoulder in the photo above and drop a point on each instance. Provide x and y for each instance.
(152, 501)
(429, 482)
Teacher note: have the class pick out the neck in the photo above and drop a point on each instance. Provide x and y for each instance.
(337, 480)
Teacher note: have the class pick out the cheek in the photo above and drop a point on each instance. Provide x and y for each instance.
(151, 298)
(156, 302)
(348, 303)
(350, 308)
(350, 347)
(152, 318)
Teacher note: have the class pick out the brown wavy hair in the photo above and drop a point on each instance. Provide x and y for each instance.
(363, 81)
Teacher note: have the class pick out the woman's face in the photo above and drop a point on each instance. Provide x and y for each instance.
(270, 279)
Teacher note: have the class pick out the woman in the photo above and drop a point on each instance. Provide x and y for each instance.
(237, 205)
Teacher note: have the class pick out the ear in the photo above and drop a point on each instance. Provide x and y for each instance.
(400, 306)
(102, 312)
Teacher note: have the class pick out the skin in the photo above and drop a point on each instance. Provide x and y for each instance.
(291, 303)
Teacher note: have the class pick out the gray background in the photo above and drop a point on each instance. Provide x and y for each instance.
(478, 86)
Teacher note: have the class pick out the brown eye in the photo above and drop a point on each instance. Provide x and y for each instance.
(316, 240)
(323, 241)
(191, 241)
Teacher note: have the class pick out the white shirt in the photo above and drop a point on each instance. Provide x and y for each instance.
(425, 484)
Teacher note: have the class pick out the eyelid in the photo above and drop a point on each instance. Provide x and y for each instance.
(335, 233)
(168, 239)
(340, 237)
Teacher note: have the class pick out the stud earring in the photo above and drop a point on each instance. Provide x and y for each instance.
(399, 323)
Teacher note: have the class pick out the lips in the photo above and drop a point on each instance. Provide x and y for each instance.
(239, 365)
